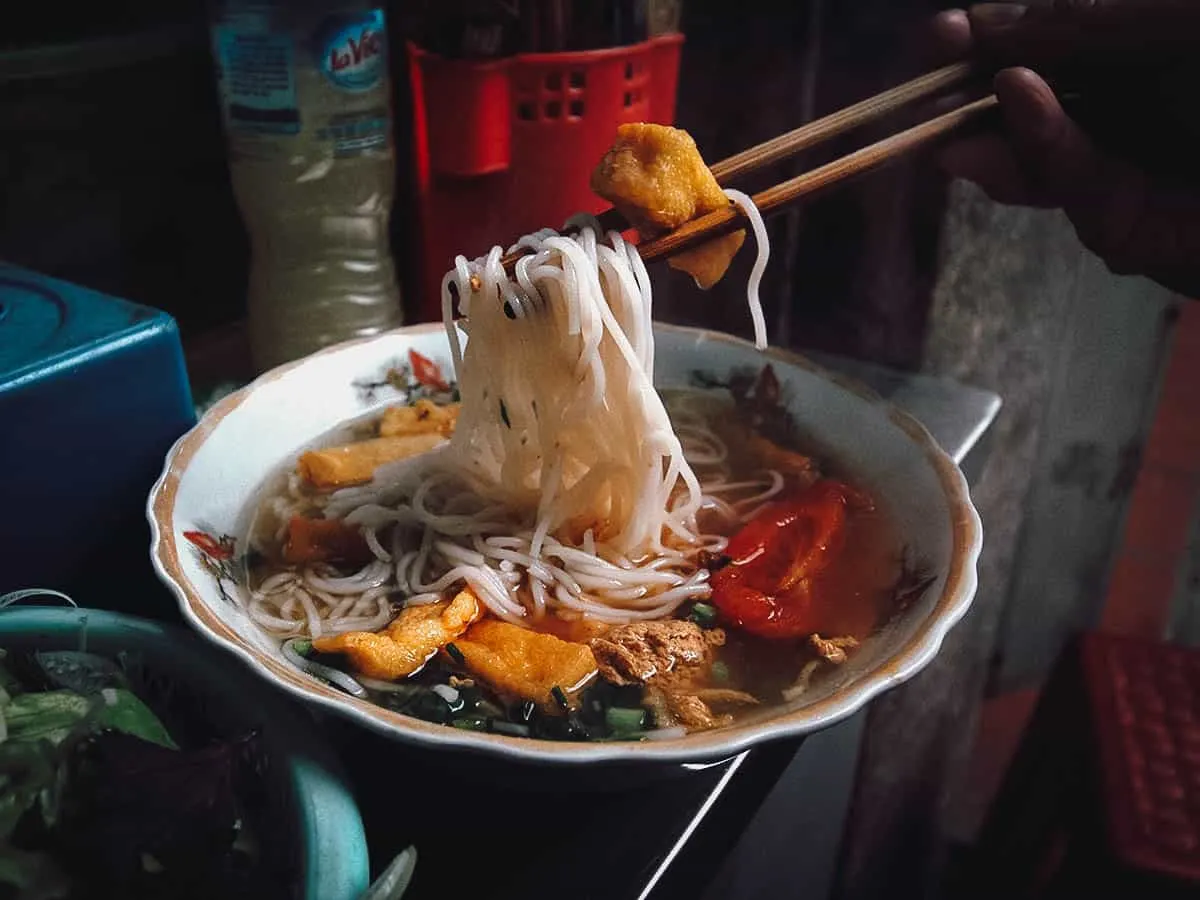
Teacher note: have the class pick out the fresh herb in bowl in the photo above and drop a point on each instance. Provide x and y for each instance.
(98, 800)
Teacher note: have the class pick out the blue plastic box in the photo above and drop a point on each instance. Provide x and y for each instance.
(93, 392)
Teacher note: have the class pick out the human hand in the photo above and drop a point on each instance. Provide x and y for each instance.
(1122, 162)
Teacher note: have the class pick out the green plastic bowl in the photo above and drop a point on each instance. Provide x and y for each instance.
(327, 840)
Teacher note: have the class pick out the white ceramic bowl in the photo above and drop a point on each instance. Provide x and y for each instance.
(214, 472)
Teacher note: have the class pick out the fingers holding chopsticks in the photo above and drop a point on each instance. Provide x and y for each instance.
(1106, 164)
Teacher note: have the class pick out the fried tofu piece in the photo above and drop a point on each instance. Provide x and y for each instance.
(423, 417)
(656, 178)
(350, 464)
(708, 263)
(323, 540)
(415, 637)
(654, 175)
(524, 663)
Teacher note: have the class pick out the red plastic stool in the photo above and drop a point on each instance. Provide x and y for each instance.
(1103, 796)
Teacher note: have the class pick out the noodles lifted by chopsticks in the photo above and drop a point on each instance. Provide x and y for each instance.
(565, 485)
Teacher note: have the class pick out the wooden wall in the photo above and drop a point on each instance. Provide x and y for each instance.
(1022, 309)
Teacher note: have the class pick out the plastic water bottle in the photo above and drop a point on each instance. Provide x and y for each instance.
(307, 109)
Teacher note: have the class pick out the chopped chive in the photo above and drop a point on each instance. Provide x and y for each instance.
(504, 414)
(456, 654)
(704, 615)
(720, 672)
(471, 723)
(560, 697)
(624, 721)
(303, 647)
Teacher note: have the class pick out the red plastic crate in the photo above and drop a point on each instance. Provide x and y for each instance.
(1102, 799)
(505, 147)
(1145, 699)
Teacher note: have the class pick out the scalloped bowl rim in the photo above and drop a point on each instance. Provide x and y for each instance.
(957, 594)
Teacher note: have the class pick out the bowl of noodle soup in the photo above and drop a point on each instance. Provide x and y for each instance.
(552, 531)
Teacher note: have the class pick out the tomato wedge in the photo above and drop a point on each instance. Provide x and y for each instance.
(766, 587)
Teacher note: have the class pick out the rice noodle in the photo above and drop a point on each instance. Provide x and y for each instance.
(760, 263)
(566, 486)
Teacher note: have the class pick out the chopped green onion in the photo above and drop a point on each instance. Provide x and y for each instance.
(704, 615)
(471, 723)
(720, 672)
(456, 654)
(303, 647)
(624, 721)
(560, 697)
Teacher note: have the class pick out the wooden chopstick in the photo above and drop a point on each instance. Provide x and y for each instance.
(729, 170)
(772, 199)
(786, 145)
(834, 124)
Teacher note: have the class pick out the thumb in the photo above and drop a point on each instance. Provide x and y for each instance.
(1103, 196)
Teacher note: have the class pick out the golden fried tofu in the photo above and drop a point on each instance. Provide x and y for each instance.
(656, 178)
(524, 663)
(708, 263)
(415, 636)
(423, 417)
(349, 464)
